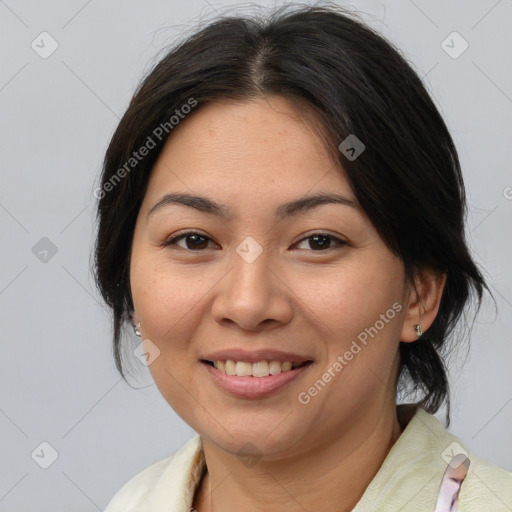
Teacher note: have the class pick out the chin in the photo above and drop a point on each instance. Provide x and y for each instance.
(253, 442)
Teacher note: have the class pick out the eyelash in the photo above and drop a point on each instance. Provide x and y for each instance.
(174, 240)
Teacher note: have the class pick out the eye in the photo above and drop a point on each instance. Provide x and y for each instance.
(321, 241)
(193, 241)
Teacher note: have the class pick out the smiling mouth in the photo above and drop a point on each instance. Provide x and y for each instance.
(257, 369)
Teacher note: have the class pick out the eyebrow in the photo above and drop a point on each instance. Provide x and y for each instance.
(292, 208)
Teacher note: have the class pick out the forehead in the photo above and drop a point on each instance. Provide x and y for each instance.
(256, 145)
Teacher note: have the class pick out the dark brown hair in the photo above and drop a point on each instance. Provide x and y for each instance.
(408, 179)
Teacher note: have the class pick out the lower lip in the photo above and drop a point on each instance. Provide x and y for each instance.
(253, 387)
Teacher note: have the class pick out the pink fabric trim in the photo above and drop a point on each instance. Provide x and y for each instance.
(448, 497)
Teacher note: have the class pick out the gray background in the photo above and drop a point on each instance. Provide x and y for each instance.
(58, 383)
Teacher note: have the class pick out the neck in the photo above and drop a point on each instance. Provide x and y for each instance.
(331, 476)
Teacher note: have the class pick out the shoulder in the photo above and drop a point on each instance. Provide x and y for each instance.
(486, 487)
(136, 489)
(169, 473)
(411, 475)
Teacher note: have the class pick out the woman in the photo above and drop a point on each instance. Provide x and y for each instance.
(281, 217)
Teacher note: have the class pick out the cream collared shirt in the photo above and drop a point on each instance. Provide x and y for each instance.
(408, 480)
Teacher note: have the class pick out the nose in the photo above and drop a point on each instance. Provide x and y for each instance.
(253, 295)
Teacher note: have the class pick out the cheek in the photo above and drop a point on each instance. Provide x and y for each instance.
(350, 298)
(357, 313)
(166, 297)
(169, 305)
(175, 384)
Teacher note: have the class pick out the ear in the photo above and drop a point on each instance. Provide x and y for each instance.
(135, 318)
(422, 303)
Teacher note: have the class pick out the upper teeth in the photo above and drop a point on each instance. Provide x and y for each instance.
(259, 369)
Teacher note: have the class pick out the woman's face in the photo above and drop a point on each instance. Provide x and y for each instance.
(254, 279)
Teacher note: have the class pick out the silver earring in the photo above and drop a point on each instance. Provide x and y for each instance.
(136, 330)
(418, 330)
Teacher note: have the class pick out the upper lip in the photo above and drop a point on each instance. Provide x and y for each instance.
(253, 356)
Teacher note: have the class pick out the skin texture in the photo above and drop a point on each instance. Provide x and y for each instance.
(253, 156)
